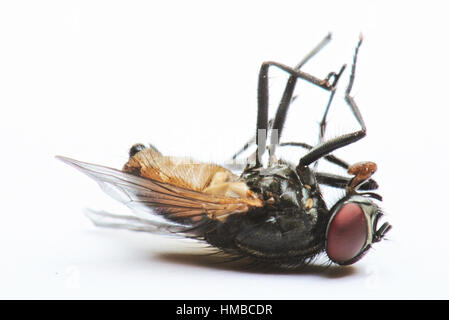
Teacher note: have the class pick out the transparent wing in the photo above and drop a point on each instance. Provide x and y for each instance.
(177, 204)
(109, 220)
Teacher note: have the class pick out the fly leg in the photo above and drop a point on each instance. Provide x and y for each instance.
(249, 143)
(327, 83)
(326, 147)
(333, 180)
(331, 158)
(278, 122)
(281, 113)
(341, 182)
(286, 100)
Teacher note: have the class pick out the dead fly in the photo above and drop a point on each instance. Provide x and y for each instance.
(274, 214)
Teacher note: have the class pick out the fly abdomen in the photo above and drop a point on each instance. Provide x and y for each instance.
(290, 234)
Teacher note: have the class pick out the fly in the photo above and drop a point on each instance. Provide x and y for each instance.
(272, 213)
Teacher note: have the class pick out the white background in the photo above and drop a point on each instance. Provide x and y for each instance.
(87, 79)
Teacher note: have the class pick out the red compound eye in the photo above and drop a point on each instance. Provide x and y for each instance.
(347, 234)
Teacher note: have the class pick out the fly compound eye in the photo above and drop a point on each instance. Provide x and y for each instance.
(347, 234)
